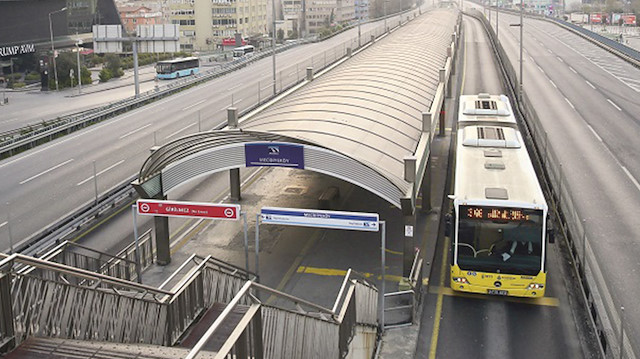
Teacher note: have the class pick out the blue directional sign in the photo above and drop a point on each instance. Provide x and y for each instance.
(323, 219)
(274, 154)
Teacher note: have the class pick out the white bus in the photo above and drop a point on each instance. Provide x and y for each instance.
(499, 221)
(242, 51)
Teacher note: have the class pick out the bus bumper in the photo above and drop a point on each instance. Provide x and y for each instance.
(498, 284)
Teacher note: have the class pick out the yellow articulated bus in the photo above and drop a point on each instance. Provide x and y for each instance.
(498, 224)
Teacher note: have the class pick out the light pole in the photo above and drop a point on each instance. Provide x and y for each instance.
(78, 43)
(273, 44)
(53, 51)
(521, 25)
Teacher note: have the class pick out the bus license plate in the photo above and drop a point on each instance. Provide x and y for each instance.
(497, 292)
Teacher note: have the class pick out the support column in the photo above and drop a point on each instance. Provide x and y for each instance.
(163, 250)
(234, 174)
(425, 187)
(409, 227)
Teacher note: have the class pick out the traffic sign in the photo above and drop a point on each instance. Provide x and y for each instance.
(150, 207)
(323, 219)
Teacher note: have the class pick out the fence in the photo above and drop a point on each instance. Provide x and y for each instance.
(315, 332)
(60, 301)
(404, 305)
(613, 339)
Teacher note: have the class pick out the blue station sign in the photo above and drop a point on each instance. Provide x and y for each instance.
(322, 219)
(274, 154)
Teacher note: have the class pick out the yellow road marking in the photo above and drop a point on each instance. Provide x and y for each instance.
(296, 263)
(393, 252)
(436, 319)
(544, 301)
(342, 273)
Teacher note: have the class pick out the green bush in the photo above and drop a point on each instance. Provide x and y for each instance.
(105, 75)
(32, 77)
(16, 76)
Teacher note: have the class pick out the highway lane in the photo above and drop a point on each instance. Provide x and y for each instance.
(34, 106)
(44, 184)
(588, 104)
(460, 325)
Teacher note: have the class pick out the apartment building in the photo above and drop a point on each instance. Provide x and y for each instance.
(204, 23)
(132, 16)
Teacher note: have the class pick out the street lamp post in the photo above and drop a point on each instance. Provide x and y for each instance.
(521, 25)
(53, 51)
(273, 44)
(78, 43)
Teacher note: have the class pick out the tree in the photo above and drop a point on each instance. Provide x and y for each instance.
(113, 64)
(293, 34)
(280, 35)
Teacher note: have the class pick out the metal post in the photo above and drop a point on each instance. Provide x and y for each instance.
(273, 43)
(497, 25)
(584, 244)
(359, 33)
(79, 73)
(135, 67)
(383, 252)
(53, 51)
(95, 181)
(246, 240)
(521, 45)
(621, 332)
(135, 238)
(258, 246)
(9, 228)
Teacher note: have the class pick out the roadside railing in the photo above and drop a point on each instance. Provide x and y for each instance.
(606, 316)
(310, 331)
(245, 98)
(403, 306)
(60, 301)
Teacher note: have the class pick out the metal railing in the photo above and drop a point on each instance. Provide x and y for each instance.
(121, 265)
(315, 332)
(404, 305)
(60, 301)
(607, 317)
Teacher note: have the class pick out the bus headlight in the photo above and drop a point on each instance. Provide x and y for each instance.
(535, 286)
(460, 280)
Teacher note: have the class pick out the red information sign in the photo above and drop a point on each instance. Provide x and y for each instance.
(151, 207)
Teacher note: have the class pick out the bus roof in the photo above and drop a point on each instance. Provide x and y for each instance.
(179, 59)
(243, 47)
(487, 109)
(492, 163)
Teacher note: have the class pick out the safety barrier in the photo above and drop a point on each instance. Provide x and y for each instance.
(316, 332)
(403, 305)
(607, 318)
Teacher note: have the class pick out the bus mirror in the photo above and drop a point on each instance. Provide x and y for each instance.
(447, 224)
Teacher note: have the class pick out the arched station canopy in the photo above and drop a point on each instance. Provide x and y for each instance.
(357, 122)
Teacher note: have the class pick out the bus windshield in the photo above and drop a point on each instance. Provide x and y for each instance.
(163, 68)
(500, 240)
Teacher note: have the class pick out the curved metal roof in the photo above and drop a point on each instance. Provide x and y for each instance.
(357, 122)
(370, 107)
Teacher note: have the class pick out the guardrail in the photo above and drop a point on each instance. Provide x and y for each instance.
(603, 312)
(29, 136)
(405, 302)
(123, 193)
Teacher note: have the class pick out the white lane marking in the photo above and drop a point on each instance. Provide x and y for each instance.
(541, 70)
(589, 83)
(553, 83)
(11, 120)
(180, 130)
(551, 52)
(559, 59)
(570, 104)
(194, 105)
(46, 171)
(614, 105)
(134, 131)
(633, 179)
(99, 173)
(594, 133)
(572, 70)
(3, 224)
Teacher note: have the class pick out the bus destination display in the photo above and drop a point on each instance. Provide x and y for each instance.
(496, 213)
